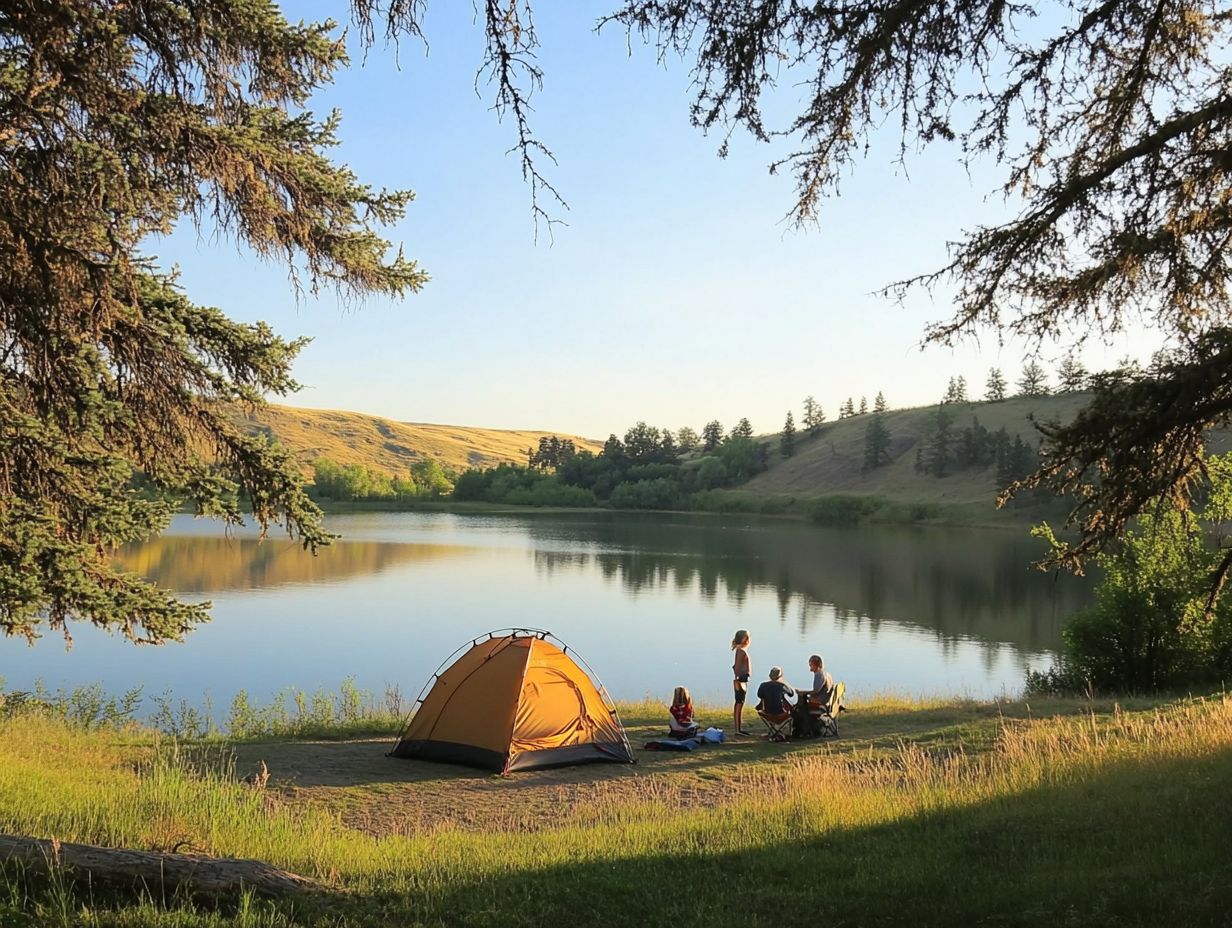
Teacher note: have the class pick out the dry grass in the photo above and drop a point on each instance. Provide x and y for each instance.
(391, 447)
(966, 814)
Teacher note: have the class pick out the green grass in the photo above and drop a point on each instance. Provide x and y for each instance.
(926, 812)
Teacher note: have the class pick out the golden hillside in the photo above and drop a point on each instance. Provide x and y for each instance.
(391, 447)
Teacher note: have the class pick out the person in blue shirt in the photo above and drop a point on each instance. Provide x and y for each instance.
(773, 694)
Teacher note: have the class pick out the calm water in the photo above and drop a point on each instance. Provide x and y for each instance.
(649, 601)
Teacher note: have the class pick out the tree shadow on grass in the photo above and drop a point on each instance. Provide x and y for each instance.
(1142, 843)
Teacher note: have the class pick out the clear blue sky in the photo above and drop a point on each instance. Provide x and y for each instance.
(675, 293)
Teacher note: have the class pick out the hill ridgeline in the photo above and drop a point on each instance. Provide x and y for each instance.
(392, 447)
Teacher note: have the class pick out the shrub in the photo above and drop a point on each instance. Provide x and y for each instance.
(1150, 628)
(843, 510)
(660, 493)
(724, 501)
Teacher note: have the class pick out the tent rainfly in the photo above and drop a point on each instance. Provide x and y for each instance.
(514, 701)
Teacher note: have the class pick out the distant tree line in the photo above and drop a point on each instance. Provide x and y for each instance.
(650, 468)
(662, 468)
(427, 478)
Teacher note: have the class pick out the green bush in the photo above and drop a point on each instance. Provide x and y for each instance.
(549, 492)
(842, 509)
(1150, 627)
(660, 493)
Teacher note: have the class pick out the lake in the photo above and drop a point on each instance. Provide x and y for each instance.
(649, 600)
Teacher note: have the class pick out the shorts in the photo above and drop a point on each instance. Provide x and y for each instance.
(741, 687)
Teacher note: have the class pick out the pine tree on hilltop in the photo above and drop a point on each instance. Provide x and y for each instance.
(995, 387)
(686, 440)
(813, 416)
(879, 405)
(847, 410)
(712, 435)
(787, 441)
(956, 392)
(1072, 376)
(863, 407)
(743, 429)
(1034, 381)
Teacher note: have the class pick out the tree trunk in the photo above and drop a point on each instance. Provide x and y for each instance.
(201, 874)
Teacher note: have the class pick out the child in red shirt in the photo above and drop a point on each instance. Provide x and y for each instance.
(680, 720)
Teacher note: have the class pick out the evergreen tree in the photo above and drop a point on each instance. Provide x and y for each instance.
(712, 435)
(787, 441)
(863, 407)
(687, 440)
(1071, 375)
(743, 429)
(974, 446)
(999, 445)
(1034, 381)
(847, 410)
(956, 392)
(876, 441)
(940, 440)
(613, 450)
(1016, 462)
(994, 390)
(813, 416)
(120, 121)
(879, 405)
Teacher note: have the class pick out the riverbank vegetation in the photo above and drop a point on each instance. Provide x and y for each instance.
(1157, 622)
(1017, 810)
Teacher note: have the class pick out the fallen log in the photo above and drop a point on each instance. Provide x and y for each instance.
(195, 872)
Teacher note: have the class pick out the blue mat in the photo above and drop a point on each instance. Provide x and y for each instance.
(688, 744)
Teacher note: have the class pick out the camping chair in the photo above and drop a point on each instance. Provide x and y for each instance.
(827, 715)
(778, 726)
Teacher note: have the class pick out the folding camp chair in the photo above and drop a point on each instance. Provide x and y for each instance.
(778, 726)
(827, 714)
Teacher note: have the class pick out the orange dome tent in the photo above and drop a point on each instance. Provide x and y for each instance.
(514, 701)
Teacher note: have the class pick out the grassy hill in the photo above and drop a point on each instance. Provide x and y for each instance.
(832, 461)
(391, 447)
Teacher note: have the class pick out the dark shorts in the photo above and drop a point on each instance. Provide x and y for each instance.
(741, 688)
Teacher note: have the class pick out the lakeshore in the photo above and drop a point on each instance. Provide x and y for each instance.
(952, 811)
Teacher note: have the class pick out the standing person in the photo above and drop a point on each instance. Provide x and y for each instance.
(740, 670)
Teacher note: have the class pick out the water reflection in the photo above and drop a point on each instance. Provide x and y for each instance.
(201, 564)
(652, 600)
(957, 582)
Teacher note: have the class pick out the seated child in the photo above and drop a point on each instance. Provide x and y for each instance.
(680, 719)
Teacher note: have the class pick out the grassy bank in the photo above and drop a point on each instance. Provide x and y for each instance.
(932, 813)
